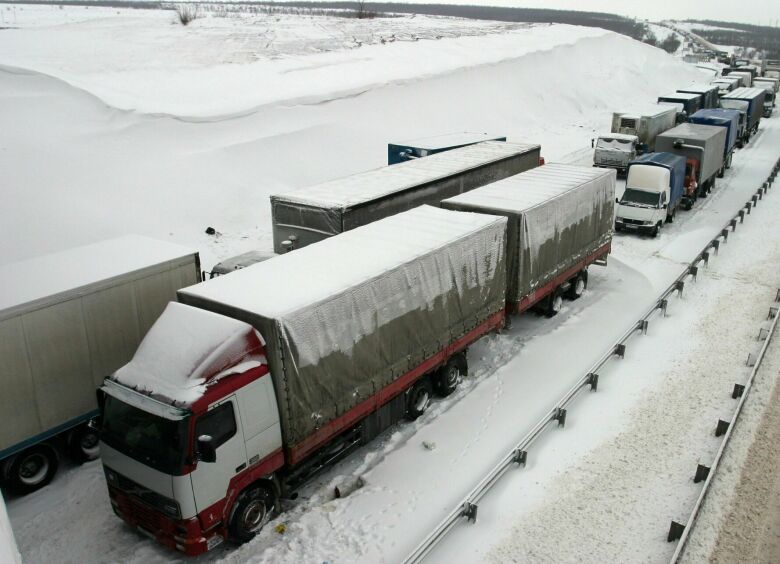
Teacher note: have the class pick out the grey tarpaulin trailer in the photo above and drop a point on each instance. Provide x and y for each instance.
(560, 221)
(69, 319)
(353, 321)
(315, 213)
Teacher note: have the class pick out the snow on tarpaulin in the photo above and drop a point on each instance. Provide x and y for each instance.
(187, 349)
(349, 315)
(559, 214)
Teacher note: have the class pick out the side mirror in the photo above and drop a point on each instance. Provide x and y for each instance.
(206, 450)
(617, 200)
(592, 143)
(666, 206)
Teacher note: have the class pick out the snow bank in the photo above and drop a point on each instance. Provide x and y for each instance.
(188, 348)
(9, 554)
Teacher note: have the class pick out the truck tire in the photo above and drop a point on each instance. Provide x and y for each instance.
(253, 509)
(722, 171)
(656, 229)
(578, 286)
(670, 216)
(33, 468)
(418, 398)
(447, 378)
(83, 444)
(554, 303)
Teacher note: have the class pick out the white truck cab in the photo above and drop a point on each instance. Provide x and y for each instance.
(643, 206)
(615, 150)
(187, 426)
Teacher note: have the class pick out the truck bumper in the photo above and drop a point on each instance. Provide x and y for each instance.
(185, 535)
(623, 225)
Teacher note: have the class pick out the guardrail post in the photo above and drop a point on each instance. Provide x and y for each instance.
(593, 381)
(694, 272)
(742, 216)
(680, 285)
(620, 350)
(675, 531)
(760, 193)
(725, 234)
(643, 325)
(470, 511)
(721, 427)
(521, 457)
(716, 246)
(751, 360)
(702, 472)
(754, 199)
(748, 206)
(705, 256)
(560, 416)
(763, 333)
(739, 389)
(663, 304)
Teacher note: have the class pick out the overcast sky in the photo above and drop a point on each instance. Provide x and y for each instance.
(762, 12)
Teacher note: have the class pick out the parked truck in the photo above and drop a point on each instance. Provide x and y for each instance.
(615, 150)
(708, 94)
(646, 123)
(238, 262)
(745, 78)
(257, 380)
(305, 216)
(689, 102)
(66, 321)
(755, 106)
(704, 146)
(560, 222)
(729, 119)
(768, 84)
(423, 147)
(655, 187)
(726, 84)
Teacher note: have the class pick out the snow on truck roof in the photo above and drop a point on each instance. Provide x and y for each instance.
(533, 187)
(699, 88)
(620, 136)
(187, 348)
(680, 96)
(298, 279)
(650, 110)
(743, 93)
(67, 271)
(448, 140)
(366, 186)
(694, 131)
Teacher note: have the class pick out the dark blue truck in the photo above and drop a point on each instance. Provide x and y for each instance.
(422, 147)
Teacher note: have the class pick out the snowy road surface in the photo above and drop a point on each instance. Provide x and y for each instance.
(115, 171)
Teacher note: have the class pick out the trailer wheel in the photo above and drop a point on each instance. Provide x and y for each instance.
(722, 171)
(84, 444)
(253, 509)
(578, 286)
(448, 377)
(33, 468)
(554, 303)
(418, 399)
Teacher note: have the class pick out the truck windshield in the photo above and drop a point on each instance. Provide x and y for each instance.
(148, 438)
(640, 197)
(618, 144)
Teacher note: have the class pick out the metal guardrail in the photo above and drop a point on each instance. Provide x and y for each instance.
(468, 506)
(678, 530)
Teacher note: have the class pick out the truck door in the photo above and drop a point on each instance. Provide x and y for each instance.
(210, 479)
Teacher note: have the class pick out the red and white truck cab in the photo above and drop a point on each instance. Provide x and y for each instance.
(187, 425)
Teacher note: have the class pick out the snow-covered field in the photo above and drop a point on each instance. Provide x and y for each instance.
(125, 122)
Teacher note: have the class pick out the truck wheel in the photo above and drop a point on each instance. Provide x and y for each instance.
(656, 229)
(578, 286)
(722, 171)
(84, 444)
(711, 185)
(554, 303)
(448, 377)
(33, 468)
(251, 512)
(670, 216)
(419, 399)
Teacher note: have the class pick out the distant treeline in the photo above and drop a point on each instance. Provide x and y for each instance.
(762, 38)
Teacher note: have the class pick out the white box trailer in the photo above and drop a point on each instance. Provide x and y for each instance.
(67, 320)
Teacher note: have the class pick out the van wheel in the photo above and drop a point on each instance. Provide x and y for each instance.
(554, 303)
(252, 511)
(84, 444)
(448, 377)
(33, 468)
(656, 229)
(419, 399)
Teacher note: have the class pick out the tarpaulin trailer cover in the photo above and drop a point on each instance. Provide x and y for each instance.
(317, 212)
(346, 317)
(69, 319)
(558, 215)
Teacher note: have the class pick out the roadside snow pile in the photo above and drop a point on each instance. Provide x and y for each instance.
(8, 552)
(109, 172)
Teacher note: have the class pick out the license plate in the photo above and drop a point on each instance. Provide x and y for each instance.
(214, 542)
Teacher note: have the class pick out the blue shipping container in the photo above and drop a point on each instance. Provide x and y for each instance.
(676, 166)
(723, 118)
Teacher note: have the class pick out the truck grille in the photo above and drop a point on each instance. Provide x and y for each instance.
(633, 221)
(143, 503)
